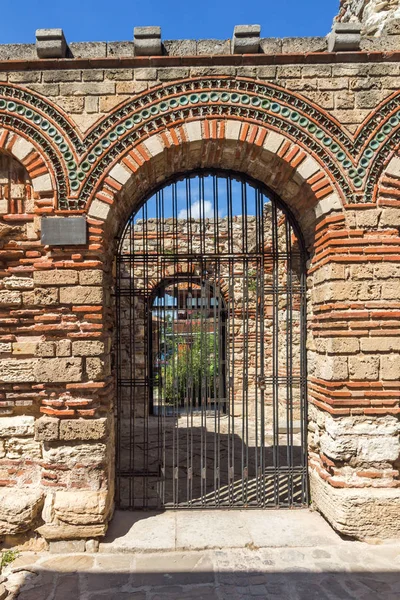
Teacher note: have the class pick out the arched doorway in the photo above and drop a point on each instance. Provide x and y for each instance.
(211, 360)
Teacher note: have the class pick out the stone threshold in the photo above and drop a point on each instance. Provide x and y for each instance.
(187, 530)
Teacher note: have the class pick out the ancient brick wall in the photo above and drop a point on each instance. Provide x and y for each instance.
(93, 135)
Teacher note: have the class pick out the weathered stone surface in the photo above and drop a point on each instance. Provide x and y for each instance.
(18, 283)
(364, 367)
(390, 367)
(17, 448)
(10, 298)
(361, 513)
(81, 295)
(71, 532)
(97, 368)
(16, 426)
(82, 507)
(83, 429)
(87, 348)
(68, 547)
(58, 370)
(83, 454)
(47, 429)
(91, 277)
(40, 297)
(375, 15)
(18, 370)
(18, 509)
(55, 277)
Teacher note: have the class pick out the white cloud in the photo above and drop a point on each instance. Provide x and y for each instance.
(203, 207)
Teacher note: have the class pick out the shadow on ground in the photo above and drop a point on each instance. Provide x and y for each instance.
(204, 576)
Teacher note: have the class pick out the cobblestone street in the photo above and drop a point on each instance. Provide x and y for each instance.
(290, 555)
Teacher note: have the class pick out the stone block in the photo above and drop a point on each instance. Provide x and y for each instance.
(58, 370)
(380, 344)
(41, 297)
(342, 345)
(345, 37)
(17, 370)
(25, 347)
(308, 168)
(42, 184)
(19, 508)
(87, 348)
(22, 148)
(120, 174)
(328, 204)
(82, 507)
(73, 454)
(378, 449)
(84, 429)
(390, 217)
(393, 167)
(51, 43)
(360, 513)
(81, 295)
(147, 41)
(180, 47)
(99, 209)
(88, 49)
(10, 298)
(332, 368)
(67, 546)
(390, 367)
(47, 429)
(46, 349)
(341, 448)
(63, 348)
(221, 47)
(20, 426)
(71, 532)
(18, 283)
(364, 367)
(97, 368)
(246, 39)
(23, 448)
(303, 45)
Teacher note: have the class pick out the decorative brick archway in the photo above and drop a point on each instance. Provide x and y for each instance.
(350, 224)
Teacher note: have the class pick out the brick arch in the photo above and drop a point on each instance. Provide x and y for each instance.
(27, 153)
(288, 169)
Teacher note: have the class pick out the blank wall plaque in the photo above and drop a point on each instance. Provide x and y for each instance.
(63, 231)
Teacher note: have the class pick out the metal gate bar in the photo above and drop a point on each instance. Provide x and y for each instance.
(210, 294)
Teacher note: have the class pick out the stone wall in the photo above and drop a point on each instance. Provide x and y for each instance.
(93, 138)
(377, 16)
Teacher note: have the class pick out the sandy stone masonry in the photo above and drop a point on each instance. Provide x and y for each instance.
(93, 134)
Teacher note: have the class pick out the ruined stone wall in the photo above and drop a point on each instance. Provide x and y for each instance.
(92, 137)
(376, 16)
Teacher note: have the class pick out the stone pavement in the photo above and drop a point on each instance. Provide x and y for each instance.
(289, 555)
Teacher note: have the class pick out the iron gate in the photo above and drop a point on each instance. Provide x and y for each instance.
(211, 363)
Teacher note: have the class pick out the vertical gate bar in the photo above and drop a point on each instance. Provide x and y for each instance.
(275, 353)
(303, 379)
(289, 360)
(132, 361)
(118, 366)
(261, 248)
(147, 349)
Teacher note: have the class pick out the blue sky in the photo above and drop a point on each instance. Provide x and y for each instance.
(89, 20)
